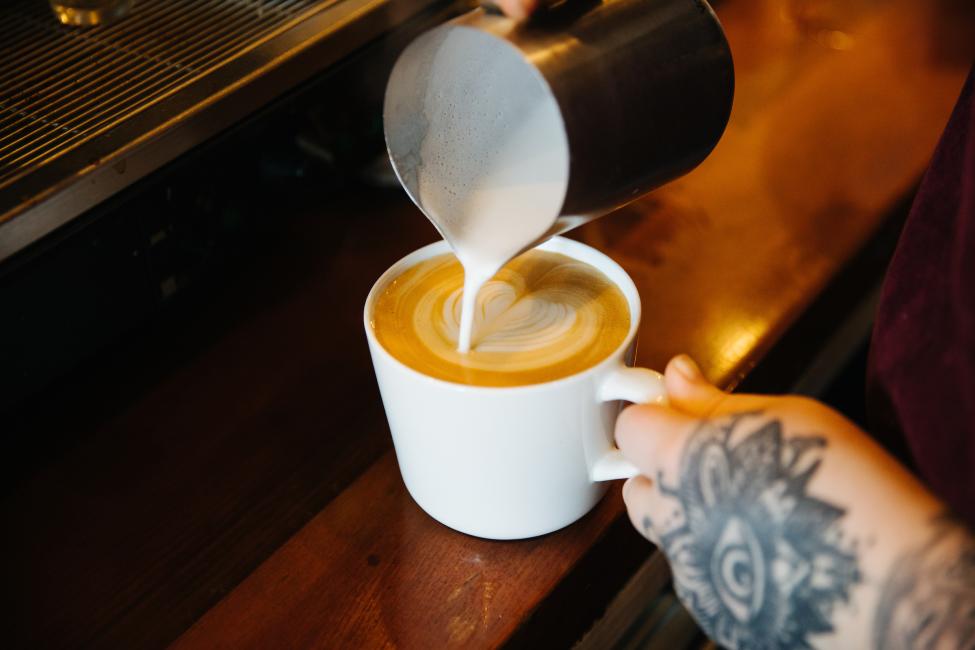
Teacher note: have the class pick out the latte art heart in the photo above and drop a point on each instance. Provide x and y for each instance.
(506, 321)
(543, 316)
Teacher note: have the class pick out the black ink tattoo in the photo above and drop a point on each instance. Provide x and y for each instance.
(928, 600)
(758, 561)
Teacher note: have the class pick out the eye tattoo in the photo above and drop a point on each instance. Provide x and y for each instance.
(759, 561)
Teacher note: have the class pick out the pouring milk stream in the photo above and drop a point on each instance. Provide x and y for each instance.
(486, 159)
(484, 118)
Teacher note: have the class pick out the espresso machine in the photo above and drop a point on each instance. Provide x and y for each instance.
(140, 160)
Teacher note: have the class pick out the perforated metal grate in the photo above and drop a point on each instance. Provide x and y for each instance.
(61, 86)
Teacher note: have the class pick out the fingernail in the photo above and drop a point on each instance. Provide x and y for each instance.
(686, 366)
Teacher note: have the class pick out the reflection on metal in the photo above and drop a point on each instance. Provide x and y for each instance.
(64, 86)
(85, 112)
(88, 13)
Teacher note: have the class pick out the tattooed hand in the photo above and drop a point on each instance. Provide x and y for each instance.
(787, 527)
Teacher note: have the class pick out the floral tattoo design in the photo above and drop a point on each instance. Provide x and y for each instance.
(759, 561)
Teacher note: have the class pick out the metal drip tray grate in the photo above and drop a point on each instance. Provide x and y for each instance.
(85, 112)
(60, 86)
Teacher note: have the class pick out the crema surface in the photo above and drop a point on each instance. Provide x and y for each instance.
(541, 317)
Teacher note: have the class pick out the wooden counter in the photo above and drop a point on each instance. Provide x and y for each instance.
(233, 484)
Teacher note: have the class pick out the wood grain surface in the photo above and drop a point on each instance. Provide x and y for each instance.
(234, 483)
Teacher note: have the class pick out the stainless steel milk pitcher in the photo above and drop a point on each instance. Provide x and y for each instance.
(643, 87)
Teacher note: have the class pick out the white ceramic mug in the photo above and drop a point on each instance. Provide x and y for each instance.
(512, 462)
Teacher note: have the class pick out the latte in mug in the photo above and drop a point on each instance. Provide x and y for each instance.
(542, 317)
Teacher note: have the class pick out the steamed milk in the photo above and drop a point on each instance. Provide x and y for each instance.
(488, 161)
(543, 316)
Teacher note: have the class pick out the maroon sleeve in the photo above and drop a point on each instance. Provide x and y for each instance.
(921, 378)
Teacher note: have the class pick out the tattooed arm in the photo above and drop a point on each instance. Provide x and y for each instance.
(787, 527)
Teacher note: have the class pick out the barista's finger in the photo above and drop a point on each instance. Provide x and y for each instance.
(517, 9)
(652, 437)
(688, 390)
(644, 506)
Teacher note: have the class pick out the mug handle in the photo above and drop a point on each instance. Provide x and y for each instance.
(637, 385)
